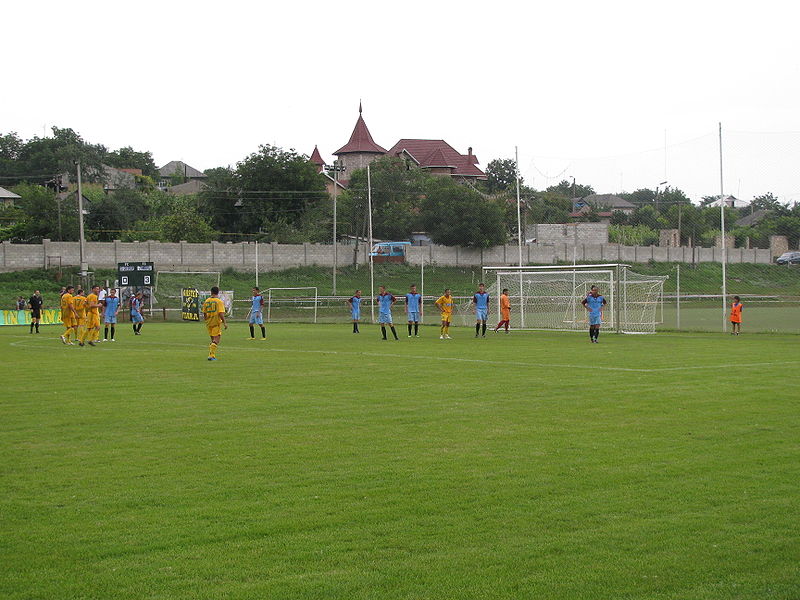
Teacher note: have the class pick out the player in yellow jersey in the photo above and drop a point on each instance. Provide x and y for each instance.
(79, 306)
(68, 316)
(214, 315)
(91, 327)
(445, 304)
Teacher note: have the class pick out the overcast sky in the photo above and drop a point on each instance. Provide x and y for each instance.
(585, 89)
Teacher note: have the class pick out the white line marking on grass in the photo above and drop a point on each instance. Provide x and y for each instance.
(449, 358)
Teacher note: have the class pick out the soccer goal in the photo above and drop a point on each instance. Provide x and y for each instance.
(170, 283)
(550, 297)
(297, 304)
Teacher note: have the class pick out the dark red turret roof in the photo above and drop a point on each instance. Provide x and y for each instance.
(438, 153)
(316, 157)
(361, 139)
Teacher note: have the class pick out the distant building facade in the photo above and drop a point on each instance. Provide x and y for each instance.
(436, 156)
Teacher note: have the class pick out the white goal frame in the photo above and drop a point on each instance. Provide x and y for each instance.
(615, 275)
(269, 299)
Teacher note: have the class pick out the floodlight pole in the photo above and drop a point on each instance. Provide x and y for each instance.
(83, 266)
(722, 232)
(371, 268)
(256, 263)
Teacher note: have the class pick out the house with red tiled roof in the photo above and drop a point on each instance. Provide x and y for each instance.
(439, 157)
(436, 156)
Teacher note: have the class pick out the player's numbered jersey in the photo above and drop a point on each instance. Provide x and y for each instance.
(213, 308)
(258, 302)
(355, 301)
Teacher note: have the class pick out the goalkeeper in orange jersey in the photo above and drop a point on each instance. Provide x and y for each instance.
(445, 304)
(736, 316)
(505, 310)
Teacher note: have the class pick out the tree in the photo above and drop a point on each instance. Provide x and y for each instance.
(548, 207)
(632, 235)
(456, 215)
(128, 158)
(112, 213)
(647, 216)
(501, 176)
(274, 183)
(766, 202)
(181, 222)
(218, 201)
(397, 193)
(57, 154)
(42, 212)
(618, 217)
(566, 189)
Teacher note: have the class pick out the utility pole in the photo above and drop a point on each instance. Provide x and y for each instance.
(336, 168)
(83, 267)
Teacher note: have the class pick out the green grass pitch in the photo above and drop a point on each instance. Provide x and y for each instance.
(321, 464)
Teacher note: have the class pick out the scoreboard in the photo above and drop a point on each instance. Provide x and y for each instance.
(136, 274)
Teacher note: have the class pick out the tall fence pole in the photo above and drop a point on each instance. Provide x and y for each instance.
(722, 231)
(519, 241)
(678, 296)
(371, 266)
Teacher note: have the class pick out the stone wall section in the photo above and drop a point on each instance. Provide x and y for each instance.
(216, 256)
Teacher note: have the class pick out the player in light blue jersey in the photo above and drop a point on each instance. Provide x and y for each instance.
(481, 302)
(355, 309)
(594, 303)
(136, 313)
(111, 303)
(413, 309)
(257, 314)
(385, 302)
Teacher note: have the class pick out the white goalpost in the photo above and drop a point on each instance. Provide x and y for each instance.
(550, 297)
(282, 305)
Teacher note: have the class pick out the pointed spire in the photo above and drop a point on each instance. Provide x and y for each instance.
(316, 157)
(361, 139)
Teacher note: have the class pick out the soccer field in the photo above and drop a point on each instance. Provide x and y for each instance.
(323, 464)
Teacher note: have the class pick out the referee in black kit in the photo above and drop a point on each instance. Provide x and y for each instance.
(35, 302)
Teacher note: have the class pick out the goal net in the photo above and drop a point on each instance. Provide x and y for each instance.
(292, 304)
(550, 297)
(170, 283)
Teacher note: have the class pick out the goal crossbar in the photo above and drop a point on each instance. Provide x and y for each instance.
(275, 289)
(550, 297)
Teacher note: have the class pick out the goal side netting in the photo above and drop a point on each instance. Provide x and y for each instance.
(292, 304)
(551, 298)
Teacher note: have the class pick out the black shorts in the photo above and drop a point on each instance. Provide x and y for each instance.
(36, 314)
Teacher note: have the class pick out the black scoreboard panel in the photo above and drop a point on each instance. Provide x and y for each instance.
(136, 274)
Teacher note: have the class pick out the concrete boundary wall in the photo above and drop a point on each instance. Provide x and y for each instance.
(242, 256)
